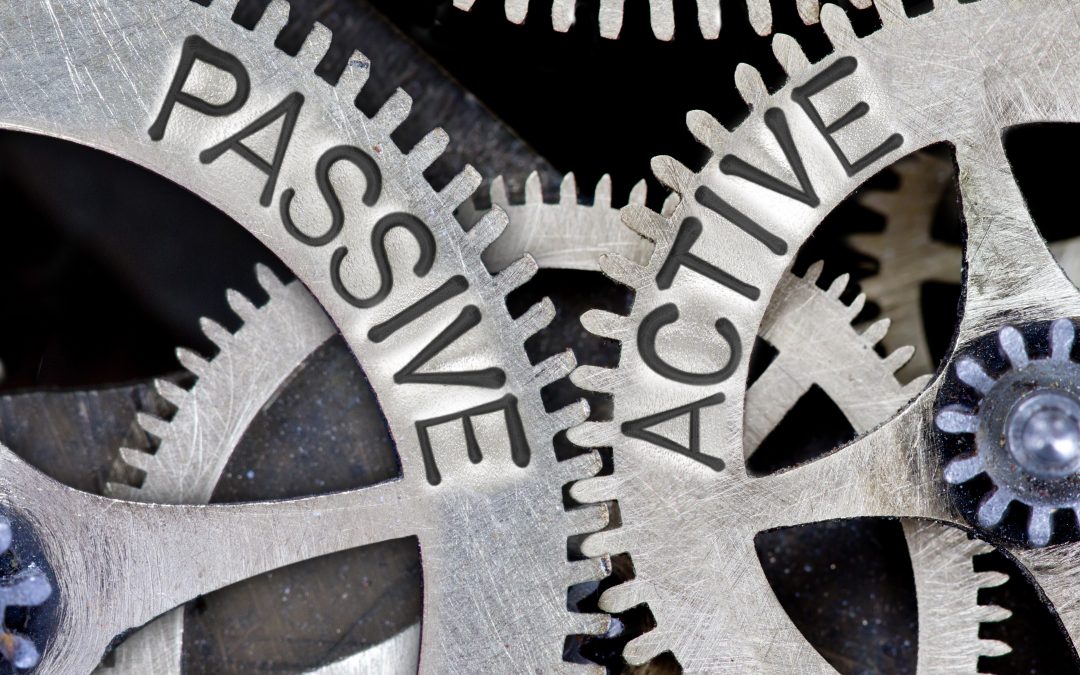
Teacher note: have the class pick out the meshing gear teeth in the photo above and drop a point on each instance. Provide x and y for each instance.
(679, 464)
(908, 256)
(661, 15)
(216, 108)
(816, 344)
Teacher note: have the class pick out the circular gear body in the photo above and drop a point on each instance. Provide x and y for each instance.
(720, 256)
(216, 108)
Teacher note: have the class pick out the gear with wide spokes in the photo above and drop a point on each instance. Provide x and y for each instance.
(215, 107)
(816, 345)
(720, 256)
(661, 15)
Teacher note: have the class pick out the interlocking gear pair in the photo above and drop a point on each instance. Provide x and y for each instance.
(219, 110)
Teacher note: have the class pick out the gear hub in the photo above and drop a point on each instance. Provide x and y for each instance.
(1016, 418)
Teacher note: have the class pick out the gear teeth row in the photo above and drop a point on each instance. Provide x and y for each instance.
(569, 194)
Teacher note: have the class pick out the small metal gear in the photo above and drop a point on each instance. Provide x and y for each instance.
(1024, 426)
(28, 586)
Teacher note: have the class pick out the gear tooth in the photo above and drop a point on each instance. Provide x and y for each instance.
(588, 624)
(393, 113)
(554, 368)
(876, 331)
(155, 426)
(646, 222)
(215, 331)
(488, 228)
(268, 280)
(430, 148)
(962, 469)
(517, 11)
(1040, 528)
(588, 519)
(597, 544)
(993, 613)
(899, 358)
(534, 189)
(640, 650)
(623, 270)
(992, 579)
(580, 467)
(622, 597)
(595, 490)
(672, 173)
(514, 276)
(760, 15)
(604, 324)
(568, 192)
(813, 273)
(171, 392)
(663, 19)
(611, 18)
(751, 85)
(838, 27)
(563, 15)
(993, 507)
(273, 19)
(591, 434)
(536, 318)
(868, 243)
(838, 286)
(460, 188)
(465, 5)
(499, 194)
(570, 415)
(862, 4)
(856, 306)
(809, 11)
(595, 378)
(244, 308)
(670, 204)
(602, 194)
(992, 648)
(584, 571)
(706, 129)
(639, 194)
(123, 491)
(354, 76)
(315, 46)
(790, 53)
(192, 362)
(136, 458)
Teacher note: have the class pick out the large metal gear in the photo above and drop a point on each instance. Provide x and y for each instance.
(816, 344)
(661, 15)
(679, 466)
(217, 108)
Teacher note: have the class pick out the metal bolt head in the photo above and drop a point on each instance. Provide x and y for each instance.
(1043, 434)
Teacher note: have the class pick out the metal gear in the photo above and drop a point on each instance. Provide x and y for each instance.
(662, 15)
(197, 442)
(816, 344)
(216, 108)
(909, 256)
(679, 467)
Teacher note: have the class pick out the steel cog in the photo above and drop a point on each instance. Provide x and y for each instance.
(679, 465)
(216, 108)
(909, 256)
(662, 15)
(811, 330)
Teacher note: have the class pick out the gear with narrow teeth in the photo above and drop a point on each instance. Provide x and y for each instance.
(218, 109)
(661, 15)
(679, 390)
(816, 343)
